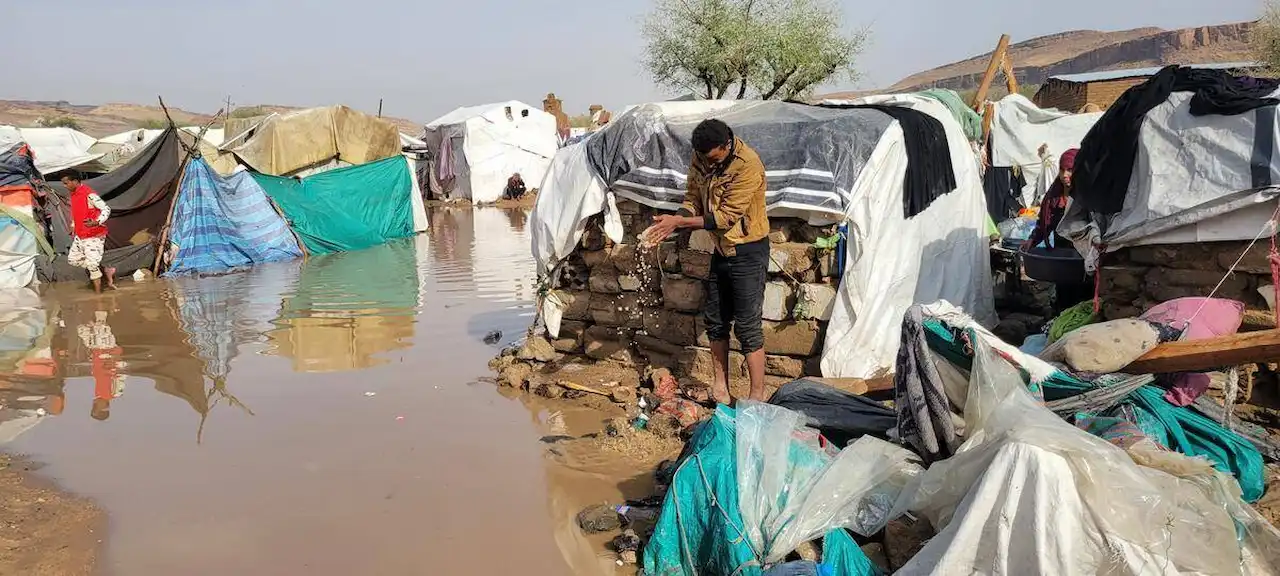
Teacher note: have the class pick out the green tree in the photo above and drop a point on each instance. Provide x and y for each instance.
(772, 49)
(59, 122)
(1265, 38)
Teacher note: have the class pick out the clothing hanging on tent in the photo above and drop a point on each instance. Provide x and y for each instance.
(1110, 149)
(929, 170)
(1003, 187)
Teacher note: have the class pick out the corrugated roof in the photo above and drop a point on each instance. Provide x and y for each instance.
(1141, 72)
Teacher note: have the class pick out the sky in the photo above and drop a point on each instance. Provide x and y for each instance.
(427, 57)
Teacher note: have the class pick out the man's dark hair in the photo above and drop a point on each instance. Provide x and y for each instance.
(711, 134)
(74, 175)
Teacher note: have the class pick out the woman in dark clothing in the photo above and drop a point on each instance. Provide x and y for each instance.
(1052, 209)
(1054, 205)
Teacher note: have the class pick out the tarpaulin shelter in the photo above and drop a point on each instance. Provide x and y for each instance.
(140, 195)
(222, 223)
(118, 149)
(21, 237)
(843, 164)
(477, 148)
(347, 208)
(284, 144)
(1019, 128)
(55, 149)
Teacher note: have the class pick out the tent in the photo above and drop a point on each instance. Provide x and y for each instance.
(21, 237)
(1019, 128)
(226, 223)
(1194, 178)
(117, 149)
(824, 164)
(478, 148)
(348, 208)
(140, 195)
(55, 149)
(285, 144)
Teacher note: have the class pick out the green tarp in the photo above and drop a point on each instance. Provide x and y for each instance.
(348, 208)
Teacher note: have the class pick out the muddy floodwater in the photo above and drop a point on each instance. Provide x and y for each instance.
(317, 417)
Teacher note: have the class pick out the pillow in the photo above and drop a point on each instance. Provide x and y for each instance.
(1105, 347)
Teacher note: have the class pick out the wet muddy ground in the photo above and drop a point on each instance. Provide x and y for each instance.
(323, 417)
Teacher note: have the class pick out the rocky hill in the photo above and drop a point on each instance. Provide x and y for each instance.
(107, 119)
(1089, 51)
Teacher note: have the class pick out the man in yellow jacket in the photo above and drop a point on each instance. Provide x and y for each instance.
(726, 192)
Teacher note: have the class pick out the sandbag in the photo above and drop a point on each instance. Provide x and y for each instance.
(1106, 347)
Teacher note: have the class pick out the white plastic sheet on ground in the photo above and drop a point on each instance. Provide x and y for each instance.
(1028, 493)
(893, 262)
(1019, 128)
(495, 146)
(55, 149)
(792, 490)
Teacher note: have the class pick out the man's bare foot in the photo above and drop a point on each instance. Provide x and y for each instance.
(722, 397)
(111, 277)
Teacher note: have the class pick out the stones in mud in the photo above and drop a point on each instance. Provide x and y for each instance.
(695, 264)
(623, 395)
(599, 518)
(618, 427)
(803, 338)
(779, 300)
(515, 375)
(619, 311)
(784, 366)
(604, 280)
(664, 426)
(790, 258)
(626, 545)
(536, 349)
(549, 390)
(820, 301)
(577, 304)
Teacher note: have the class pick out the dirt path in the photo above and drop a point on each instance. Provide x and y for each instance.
(43, 531)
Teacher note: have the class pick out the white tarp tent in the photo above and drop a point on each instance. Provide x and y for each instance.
(18, 252)
(893, 262)
(478, 148)
(1019, 128)
(1205, 178)
(55, 149)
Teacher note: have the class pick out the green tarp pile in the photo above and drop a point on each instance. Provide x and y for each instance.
(348, 208)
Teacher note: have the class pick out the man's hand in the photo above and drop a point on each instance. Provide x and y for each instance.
(90, 222)
(663, 227)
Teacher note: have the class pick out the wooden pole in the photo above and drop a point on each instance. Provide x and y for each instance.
(1209, 353)
(379, 107)
(988, 114)
(1010, 80)
(996, 58)
(161, 248)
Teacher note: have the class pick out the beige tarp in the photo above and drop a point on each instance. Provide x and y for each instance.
(286, 143)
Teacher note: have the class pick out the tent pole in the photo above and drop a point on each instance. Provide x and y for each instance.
(162, 247)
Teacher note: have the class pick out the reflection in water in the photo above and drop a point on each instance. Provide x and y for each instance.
(293, 348)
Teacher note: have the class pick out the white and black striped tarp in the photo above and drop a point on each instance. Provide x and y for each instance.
(812, 155)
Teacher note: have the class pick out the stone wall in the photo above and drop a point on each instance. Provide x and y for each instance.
(1136, 279)
(637, 306)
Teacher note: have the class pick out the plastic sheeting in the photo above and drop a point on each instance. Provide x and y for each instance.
(812, 156)
(348, 208)
(18, 252)
(487, 144)
(701, 527)
(286, 143)
(892, 262)
(55, 149)
(571, 193)
(1030, 494)
(1019, 128)
(225, 223)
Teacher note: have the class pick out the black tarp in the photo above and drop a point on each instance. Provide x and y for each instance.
(139, 193)
(1003, 186)
(126, 260)
(840, 416)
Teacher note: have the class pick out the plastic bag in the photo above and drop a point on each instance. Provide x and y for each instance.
(1018, 228)
(792, 489)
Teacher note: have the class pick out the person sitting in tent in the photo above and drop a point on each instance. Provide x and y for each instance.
(515, 187)
(89, 215)
(1054, 205)
(726, 193)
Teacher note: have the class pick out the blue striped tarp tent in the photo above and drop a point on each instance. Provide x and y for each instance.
(222, 223)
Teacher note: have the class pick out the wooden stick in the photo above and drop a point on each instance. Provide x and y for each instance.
(1010, 80)
(581, 388)
(1209, 353)
(990, 74)
(162, 247)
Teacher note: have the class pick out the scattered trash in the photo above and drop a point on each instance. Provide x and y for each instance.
(636, 514)
(555, 423)
(599, 518)
(641, 421)
(493, 337)
(626, 545)
(139, 275)
(617, 427)
(370, 394)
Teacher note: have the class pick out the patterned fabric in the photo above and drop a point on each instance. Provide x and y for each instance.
(226, 223)
(924, 413)
(1117, 431)
(87, 253)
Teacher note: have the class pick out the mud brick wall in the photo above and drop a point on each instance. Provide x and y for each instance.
(1135, 279)
(642, 306)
